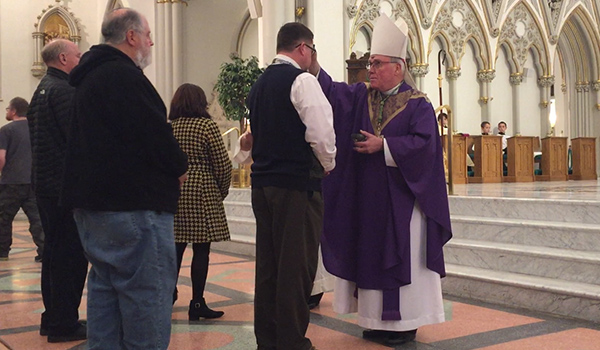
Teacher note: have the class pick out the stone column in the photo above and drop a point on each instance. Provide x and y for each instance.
(452, 74)
(596, 88)
(275, 14)
(418, 72)
(38, 69)
(169, 47)
(545, 83)
(515, 80)
(485, 77)
(580, 119)
(587, 116)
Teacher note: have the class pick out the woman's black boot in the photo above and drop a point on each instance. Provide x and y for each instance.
(198, 309)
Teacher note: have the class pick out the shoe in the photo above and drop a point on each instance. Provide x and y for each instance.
(390, 337)
(400, 338)
(79, 334)
(38, 259)
(375, 334)
(44, 331)
(314, 300)
(198, 309)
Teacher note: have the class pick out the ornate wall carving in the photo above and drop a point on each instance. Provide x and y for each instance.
(458, 23)
(486, 76)
(520, 33)
(55, 22)
(546, 81)
(367, 14)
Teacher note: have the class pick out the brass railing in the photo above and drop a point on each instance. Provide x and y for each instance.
(446, 109)
(240, 175)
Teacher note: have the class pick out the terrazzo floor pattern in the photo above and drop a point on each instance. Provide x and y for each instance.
(230, 288)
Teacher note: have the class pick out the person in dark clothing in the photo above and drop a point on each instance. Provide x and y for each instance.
(123, 171)
(291, 124)
(64, 265)
(15, 182)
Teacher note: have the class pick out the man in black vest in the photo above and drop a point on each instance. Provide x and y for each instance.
(291, 121)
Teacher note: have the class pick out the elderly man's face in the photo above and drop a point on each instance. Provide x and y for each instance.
(144, 47)
(72, 56)
(384, 74)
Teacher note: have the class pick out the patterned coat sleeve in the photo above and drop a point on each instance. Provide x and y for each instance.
(219, 159)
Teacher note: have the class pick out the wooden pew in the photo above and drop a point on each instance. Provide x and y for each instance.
(554, 159)
(584, 158)
(459, 157)
(520, 159)
(488, 159)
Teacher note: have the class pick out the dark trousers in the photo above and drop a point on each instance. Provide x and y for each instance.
(199, 269)
(286, 262)
(64, 268)
(13, 197)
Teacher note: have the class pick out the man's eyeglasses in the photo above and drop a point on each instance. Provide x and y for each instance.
(312, 48)
(377, 64)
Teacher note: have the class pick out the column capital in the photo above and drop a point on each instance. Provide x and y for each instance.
(516, 78)
(546, 81)
(486, 75)
(184, 2)
(563, 87)
(419, 69)
(453, 73)
(596, 85)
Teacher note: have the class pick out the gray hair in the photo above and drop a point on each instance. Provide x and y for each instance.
(53, 49)
(118, 22)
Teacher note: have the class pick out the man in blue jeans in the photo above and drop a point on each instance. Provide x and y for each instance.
(123, 170)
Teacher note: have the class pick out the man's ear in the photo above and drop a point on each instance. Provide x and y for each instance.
(130, 37)
(62, 57)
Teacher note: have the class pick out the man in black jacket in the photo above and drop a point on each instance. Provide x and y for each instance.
(123, 170)
(64, 265)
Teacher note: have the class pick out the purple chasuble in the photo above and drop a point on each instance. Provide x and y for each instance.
(368, 205)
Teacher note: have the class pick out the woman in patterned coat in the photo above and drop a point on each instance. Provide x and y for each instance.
(200, 217)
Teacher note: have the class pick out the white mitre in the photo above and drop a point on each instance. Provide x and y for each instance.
(391, 39)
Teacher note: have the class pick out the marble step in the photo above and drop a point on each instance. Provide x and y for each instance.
(563, 264)
(238, 209)
(241, 229)
(572, 299)
(239, 195)
(586, 212)
(562, 235)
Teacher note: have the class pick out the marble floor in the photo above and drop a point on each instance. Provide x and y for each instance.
(588, 190)
(469, 325)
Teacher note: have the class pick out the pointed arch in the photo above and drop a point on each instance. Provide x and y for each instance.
(54, 22)
(520, 34)
(367, 14)
(460, 24)
(579, 34)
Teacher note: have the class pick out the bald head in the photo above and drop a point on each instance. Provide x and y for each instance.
(61, 54)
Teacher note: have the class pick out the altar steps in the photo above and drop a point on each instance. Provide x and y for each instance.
(537, 254)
